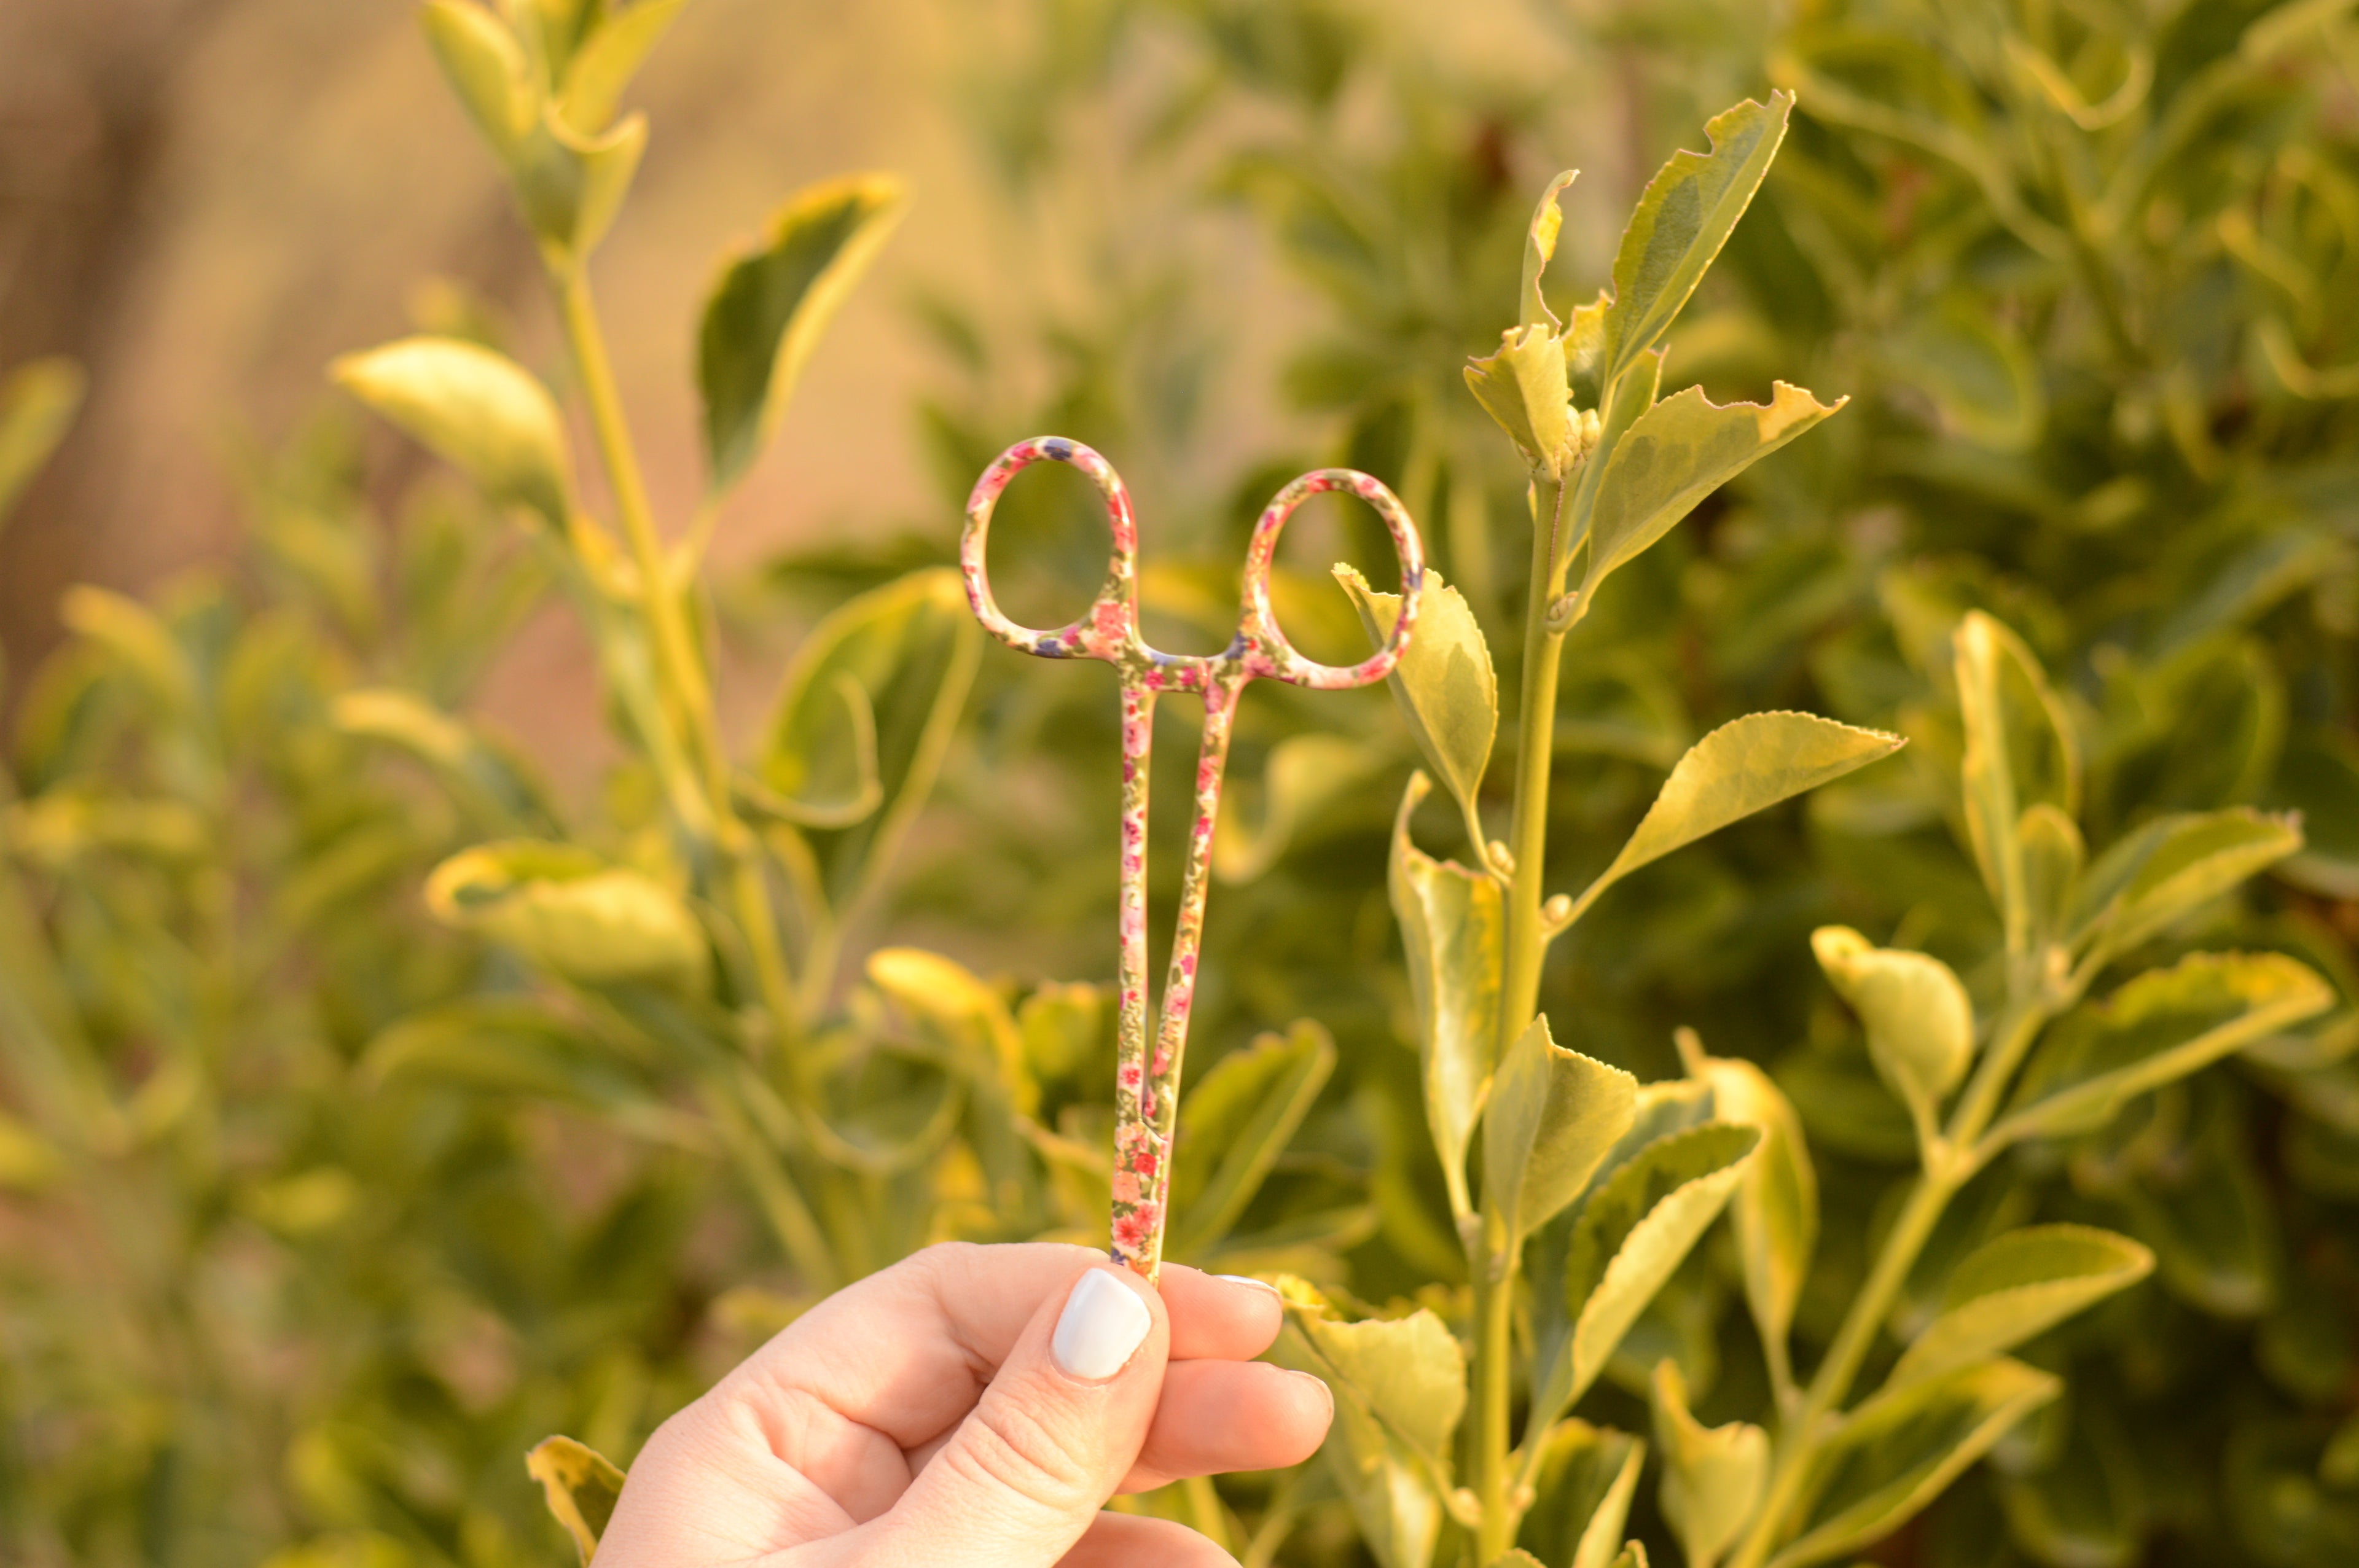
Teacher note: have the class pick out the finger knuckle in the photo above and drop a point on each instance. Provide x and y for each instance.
(1007, 1445)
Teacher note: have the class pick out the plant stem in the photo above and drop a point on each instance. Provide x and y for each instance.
(678, 667)
(2017, 1028)
(1493, 1258)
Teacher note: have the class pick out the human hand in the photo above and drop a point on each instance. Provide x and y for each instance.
(972, 1405)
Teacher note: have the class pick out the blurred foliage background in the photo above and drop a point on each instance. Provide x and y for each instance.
(2088, 271)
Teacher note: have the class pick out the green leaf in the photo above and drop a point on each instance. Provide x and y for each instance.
(37, 403)
(864, 792)
(967, 1014)
(1713, 1478)
(1539, 248)
(1678, 452)
(1062, 1025)
(487, 69)
(770, 304)
(2159, 1026)
(137, 641)
(2171, 864)
(603, 66)
(1233, 1124)
(1633, 1233)
(1453, 930)
(571, 187)
(1523, 388)
(581, 1485)
(1744, 766)
(1553, 1116)
(2018, 744)
(1581, 1486)
(1920, 1027)
(911, 647)
(1304, 775)
(1409, 1371)
(1982, 381)
(492, 779)
(1898, 1452)
(1399, 1387)
(28, 1162)
(571, 913)
(1775, 1209)
(478, 411)
(2054, 855)
(1443, 681)
(2020, 1284)
(1687, 213)
(510, 1046)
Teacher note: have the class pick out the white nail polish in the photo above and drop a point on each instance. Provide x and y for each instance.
(1248, 1280)
(1103, 1322)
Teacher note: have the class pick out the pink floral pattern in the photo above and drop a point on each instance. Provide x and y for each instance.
(1147, 1085)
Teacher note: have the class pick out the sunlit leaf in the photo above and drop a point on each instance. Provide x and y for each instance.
(1775, 1209)
(1686, 214)
(912, 648)
(1744, 766)
(478, 411)
(1451, 930)
(1443, 683)
(1539, 249)
(485, 68)
(1920, 1027)
(1895, 1453)
(596, 76)
(767, 311)
(571, 913)
(1553, 1116)
(2016, 1286)
(581, 1486)
(2167, 867)
(1712, 1476)
(1631, 1234)
(1233, 1124)
(1582, 1485)
(1678, 452)
(2019, 751)
(2158, 1026)
(37, 403)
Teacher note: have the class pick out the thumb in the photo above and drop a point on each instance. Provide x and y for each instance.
(1057, 1429)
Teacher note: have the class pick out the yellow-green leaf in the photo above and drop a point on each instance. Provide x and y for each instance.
(603, 66)
(2018, 744)
(1582, 1483)
(571, 187)
(1920, 1027)
(1233, 1124)
(2158, 1026)
(1452, 931)
(1539, 248)
(1775, 1209)
(1744, 766)
(1633, 1232)
(486, 68)
(2171, 864)
(911, 647)
(477, 410)
(28, 1162)
(1712, 1476)
(491, 777)
(969, 1015)
(770, 304)
(581, 1485)
(38, 405)
(1553, 1116)
(1523, 388)
(137, 639)
(1443, 682)
(571, 913)
(2016, 1286)
(1409, 1372)
(1687, 213)
(1678, 452)
(1389, 1487)
(1898, 1452)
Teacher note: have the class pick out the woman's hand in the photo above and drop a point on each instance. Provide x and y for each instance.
(974, 1406)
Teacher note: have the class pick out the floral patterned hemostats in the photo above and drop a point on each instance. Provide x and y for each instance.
(1146, 1094)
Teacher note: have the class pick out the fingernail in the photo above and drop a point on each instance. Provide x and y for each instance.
(1248, 1280)
(1324, 1392)
(1103, 1322)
